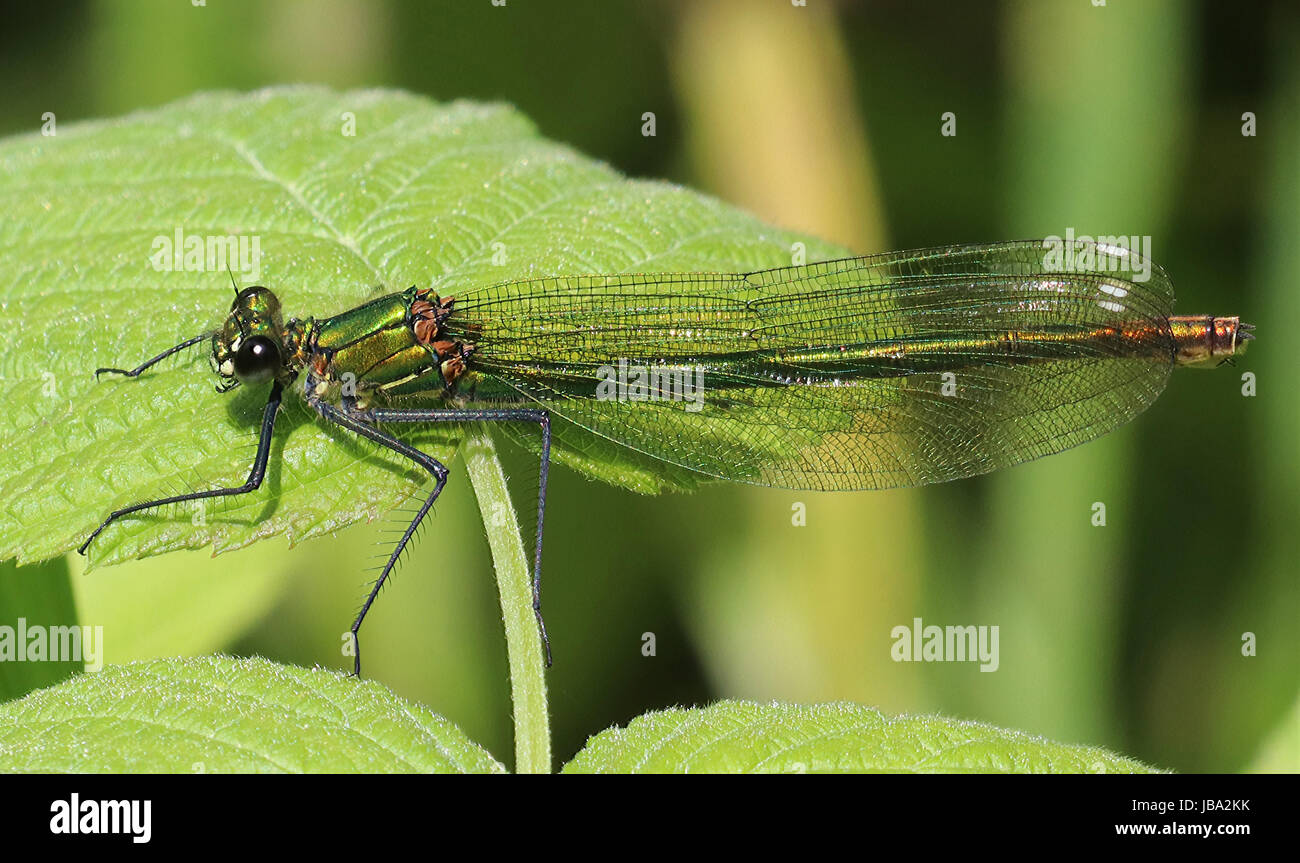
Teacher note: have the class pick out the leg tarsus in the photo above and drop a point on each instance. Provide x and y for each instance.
(356, 649)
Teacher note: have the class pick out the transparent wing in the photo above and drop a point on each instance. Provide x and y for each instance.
(875, 372)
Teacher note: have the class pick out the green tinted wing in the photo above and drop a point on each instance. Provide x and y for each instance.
(891, 370)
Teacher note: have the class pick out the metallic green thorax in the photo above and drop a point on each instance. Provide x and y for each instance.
(390, 345)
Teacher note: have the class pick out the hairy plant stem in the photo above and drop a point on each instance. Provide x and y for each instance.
(523, 645)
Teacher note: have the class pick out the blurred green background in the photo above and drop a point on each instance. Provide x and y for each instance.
(1116, 119)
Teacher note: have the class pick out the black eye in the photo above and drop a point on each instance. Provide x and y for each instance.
(257, 360)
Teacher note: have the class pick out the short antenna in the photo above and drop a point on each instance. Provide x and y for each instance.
(243, 329)
(233, 283)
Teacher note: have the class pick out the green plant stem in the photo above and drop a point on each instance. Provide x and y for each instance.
(523, 645)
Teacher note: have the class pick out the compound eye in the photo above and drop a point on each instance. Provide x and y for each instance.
(257, 360)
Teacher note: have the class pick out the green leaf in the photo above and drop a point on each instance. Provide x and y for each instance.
(445, 195)
(226, 715)
(744, 737)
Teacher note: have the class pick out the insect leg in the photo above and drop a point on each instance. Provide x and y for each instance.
(254, 480)
(540, 417)
(348, 420)
(135, 372)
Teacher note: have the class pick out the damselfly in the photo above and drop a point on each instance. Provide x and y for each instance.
(898, 369)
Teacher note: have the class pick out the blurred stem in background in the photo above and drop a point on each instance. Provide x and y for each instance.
(1046, 570)
(795, 612)
(1263, 686)
(772, 122)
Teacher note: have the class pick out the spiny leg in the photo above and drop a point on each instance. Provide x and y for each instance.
(254, 480)
(360, 422)
(542, 418)
(135, 372)
(348, 420)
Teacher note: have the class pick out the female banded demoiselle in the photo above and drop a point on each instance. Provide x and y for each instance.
(898, 369)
